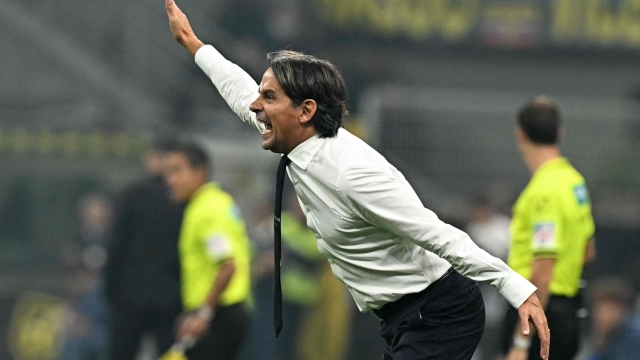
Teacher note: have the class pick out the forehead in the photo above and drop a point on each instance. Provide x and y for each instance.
(176, 158)
(269, 81)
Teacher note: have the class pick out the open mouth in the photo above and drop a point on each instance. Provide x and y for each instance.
(267, 127)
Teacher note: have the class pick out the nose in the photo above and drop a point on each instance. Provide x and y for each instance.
(256, 106)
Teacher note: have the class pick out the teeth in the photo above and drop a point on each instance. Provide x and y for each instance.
(267, 127)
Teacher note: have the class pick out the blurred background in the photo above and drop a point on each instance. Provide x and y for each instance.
(434, 85)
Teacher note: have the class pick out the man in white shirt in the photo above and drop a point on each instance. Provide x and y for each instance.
(397, 259)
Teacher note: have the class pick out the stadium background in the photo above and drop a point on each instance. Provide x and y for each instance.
(433, 85)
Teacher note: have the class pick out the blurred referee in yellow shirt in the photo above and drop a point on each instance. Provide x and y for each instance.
(552, 233)
(214, 258)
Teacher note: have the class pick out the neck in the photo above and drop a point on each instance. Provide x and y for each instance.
(197, 190)
(303, 135)
(540, 154)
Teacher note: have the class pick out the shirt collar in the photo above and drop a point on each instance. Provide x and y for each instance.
(552, 164)
(306, 151)
(201, 190)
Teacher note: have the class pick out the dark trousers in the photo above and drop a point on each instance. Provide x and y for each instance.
(564, 325)
(444, 323)
(129, 322)
(225, 336)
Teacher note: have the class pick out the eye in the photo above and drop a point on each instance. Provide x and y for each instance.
(269, 95)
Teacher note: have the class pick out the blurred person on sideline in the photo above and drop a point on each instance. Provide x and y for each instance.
(86, 329)
(489, 229)
(318, 331)
(398, 260)
(259, 345)
(214, 257)
(615, 331)
(552, 232)
(328, 324)
(143, 270)
(301, 276)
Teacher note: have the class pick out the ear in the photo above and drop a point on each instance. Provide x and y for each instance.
(522, 137)
(203, 173)
(309, 108)
(560, 134)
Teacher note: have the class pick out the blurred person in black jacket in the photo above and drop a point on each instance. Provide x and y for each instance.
(143, 269)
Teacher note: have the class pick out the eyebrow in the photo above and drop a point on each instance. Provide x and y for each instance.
(267, 91)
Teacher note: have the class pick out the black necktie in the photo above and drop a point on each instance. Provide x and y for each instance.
(277, 246)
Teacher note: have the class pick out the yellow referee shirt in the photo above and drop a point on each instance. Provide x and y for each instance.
(212, 232)
(552, 219)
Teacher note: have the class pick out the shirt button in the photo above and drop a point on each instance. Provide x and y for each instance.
(295, 181)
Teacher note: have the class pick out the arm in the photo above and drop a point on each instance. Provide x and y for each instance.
(181, 29)
(237, 88)
(590, 254)
(541, 277)
(385, 199)
(227, 269)
(196, 324)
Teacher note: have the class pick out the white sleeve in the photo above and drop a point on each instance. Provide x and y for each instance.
(237, 88)
(383, 199)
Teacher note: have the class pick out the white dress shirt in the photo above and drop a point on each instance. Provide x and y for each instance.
(381, 242)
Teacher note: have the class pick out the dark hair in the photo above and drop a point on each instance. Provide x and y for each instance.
(305, 77)
(196, 157)
(163, 145)
(540, 120)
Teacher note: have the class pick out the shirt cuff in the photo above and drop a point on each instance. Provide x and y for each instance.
(206, 57)
(517, 289)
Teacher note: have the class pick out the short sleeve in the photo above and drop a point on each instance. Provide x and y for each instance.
(546, 223)
(219, 247)
(218, 232)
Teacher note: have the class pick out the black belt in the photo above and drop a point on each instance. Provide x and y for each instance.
(390, 309)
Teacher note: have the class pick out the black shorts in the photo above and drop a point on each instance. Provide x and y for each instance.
(562, 316)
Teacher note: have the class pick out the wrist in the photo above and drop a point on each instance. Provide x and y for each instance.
(192, 44)
(521, 342)
(205, 312)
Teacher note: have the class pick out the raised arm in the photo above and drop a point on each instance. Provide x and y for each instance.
(236, 86)
(385, 199)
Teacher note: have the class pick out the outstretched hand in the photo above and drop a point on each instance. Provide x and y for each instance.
(531, 311)
(181, 29)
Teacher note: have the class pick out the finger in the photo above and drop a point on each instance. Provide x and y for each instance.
(540, 322)
(524, 322)
(543, 333)
(171, 6)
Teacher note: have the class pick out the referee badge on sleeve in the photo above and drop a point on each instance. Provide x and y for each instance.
(544, 236)
(218, 247)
